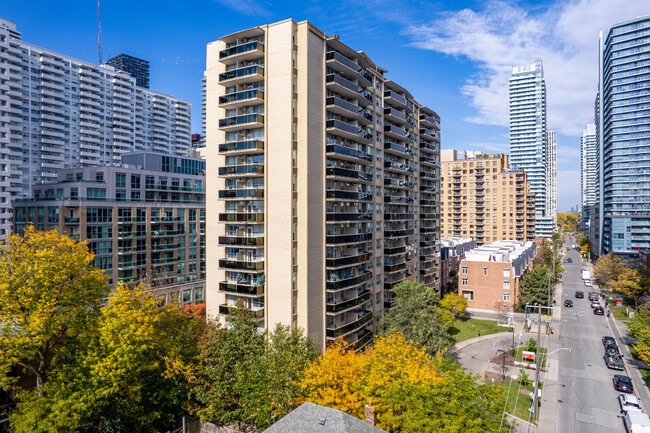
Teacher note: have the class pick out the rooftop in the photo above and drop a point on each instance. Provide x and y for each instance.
(310, 417)
(499, 251)
(452, 241)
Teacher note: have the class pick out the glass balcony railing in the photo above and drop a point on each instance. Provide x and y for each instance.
(241, 72)
(243, 241)
(242, 193)
(340, 216)
(342, 150)
(237, 146)
(241, 169)
(241, 120)
(241, 217)
(349, 195)
(240, 49)
(241, 96)
(396, 97)
(243, 265)
(351, 174)
(361, 321)
(344, 261)
(241, 289)
(348, 239)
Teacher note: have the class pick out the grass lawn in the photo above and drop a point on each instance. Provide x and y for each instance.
(619, 312)
(466, 328)
(524, 402)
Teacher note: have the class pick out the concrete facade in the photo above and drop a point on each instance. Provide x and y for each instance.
(322, 182)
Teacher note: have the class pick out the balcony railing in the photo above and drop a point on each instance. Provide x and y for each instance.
(352, 174)
(241, 169)
(240, 146)
(240, 49)
(241, 120)
(241, 217)
(349, 195)
(345, 239)
(225, 309)
(241, 72)
(241, 289)
(342, 150)
(241, 96)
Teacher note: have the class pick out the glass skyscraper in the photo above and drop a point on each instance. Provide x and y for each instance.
(623, 118)
(588, 173)
(527, 90)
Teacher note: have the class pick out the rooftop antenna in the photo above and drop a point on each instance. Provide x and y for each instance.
(99, 36)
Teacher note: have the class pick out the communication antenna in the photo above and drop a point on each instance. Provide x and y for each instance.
(99, 36)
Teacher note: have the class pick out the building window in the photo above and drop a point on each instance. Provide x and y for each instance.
(468, 294)
(484, 271)
(120, 180)
(506, 296)
(464, 283)
(464, 270)
(96, 193)
(135, 181)
(506, 272)
(506, 284)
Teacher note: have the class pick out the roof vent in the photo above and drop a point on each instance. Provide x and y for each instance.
(322, 421)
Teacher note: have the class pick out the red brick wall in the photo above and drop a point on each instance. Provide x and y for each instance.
(488, 289)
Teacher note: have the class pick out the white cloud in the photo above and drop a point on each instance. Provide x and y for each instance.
(564, 36)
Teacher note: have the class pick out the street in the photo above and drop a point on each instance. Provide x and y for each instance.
(586, 397)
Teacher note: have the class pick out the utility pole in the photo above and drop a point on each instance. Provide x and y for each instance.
(537, 359)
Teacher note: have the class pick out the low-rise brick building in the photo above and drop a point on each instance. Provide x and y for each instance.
(489, 275)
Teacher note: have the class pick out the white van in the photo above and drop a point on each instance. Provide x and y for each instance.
(636, 422)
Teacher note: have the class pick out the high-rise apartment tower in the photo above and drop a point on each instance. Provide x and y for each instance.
(482, 199)
(624, 137)
(527, 91)
(551, 174)
(57, 111)
(588, 173)
(323, 183)
(137, 68)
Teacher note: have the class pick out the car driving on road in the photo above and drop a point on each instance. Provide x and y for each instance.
(580, 294)
(614, 361)
(593, 296)
(568, 303)
(623, 383)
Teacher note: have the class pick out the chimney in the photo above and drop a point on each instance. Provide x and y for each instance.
(369, 414)
(335, 37)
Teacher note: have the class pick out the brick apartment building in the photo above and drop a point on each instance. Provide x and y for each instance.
(489, 275)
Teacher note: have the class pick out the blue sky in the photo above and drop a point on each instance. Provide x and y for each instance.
(454, 56)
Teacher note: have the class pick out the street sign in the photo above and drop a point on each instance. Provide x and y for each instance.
(528, 355)
(548, 318)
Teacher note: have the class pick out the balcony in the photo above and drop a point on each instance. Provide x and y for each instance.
(239, 99)
(398, 117)
(346, 130)
(343, 151)
(247, 51)
(348, 303)
(340, 63)
(348, 195)
(397, 100)
(344, 217)
(241, 289)
(350, 327)
(242, 217)
(397, 199)
(430, 133)
(429, 147)
(398, 133)
(347, 283)
(395, 166)
(343, 86)
(398, 216)
(397, 233)
(397, 183)
(347, 261)
(239, 147)
(348, 174)
(244, 193)
(242, 170)
(348, 239)
(249, 74)
(241, 265)
(429, 121)
(246, 121)
(257, 312)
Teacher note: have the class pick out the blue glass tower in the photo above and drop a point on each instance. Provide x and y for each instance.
(623, 118)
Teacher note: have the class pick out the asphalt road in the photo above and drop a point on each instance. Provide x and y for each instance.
(586, 397)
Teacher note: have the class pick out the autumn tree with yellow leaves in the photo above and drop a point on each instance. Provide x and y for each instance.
(409, 390)
(49, 293)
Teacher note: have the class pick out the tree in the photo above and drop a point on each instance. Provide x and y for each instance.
(247, 376)
(49, 296)
(454, 303)
(534, 287)
(639, 328)
(630, 284)
(416, 314)
(608, 268)
(130, 374)
(410, 390)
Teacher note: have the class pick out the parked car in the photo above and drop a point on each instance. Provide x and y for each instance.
(637, 422)
(608, 340)
(580, 294)
(588, 283)
(598, 311)
(614, 361)
(595, 304)
(568, 303)
(612, 348)
(629, 403)
(623, 383)
(569, 260)
(593, 296)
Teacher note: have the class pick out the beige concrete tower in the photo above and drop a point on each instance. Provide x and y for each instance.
(315, 164)
(484, 200)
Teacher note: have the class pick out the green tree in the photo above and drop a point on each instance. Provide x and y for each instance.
(247, 376)
(630, 284)
(417, 315)
(130, 374)
(534, 287)
(639, 328)
(49, 296)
